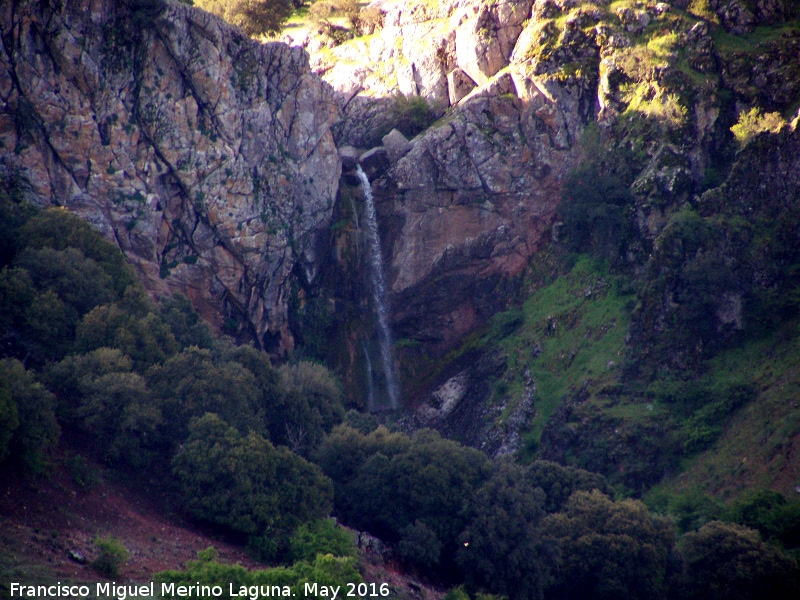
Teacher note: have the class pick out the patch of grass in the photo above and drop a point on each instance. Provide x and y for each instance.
(702, 9)
(752, 451)
(663, 108)
(620, 4)
(728, 44)
(568, 332)
(665, 45)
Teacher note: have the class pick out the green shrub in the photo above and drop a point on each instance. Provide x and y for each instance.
(328, 572)
(700, 265)
(386, 482)
(751, 123)
(501, 548)
(310, 406)
(9, 419)
(255, 17)
(247, 486)
(362, 421)
(111, 559)
(420, 547)
(411, 114)
(145, 338)
(59, 229)
(14, 213)
(194, 382)
(81, 472)
(595, 211)
(771, 514)
(690, 510)
(28, 427)
(610, 549)
(723, 560)
(323, 536)
(559, 482)
(185, 324)
(61, 270)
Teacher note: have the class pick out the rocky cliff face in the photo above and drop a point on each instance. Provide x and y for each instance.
(646, 93)
(213, 162)
(206, 156)
(465, 204)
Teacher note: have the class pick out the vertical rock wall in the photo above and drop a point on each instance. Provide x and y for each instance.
(206, 156)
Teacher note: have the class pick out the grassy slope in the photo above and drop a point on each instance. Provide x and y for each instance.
(759, 445)
(571, 334)
(571, 331)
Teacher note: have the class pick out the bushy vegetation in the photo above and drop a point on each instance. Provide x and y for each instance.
(323, 536)
(28, 426)
(148, 387)
(337, 21)
(754, 122)
(248, 486)
(527, 532)
(255, 17)
(721, 273)
(411, 114)
(724, 560)
(325, 570)
(322, 12)
(596, 212)
(111, 558)
(450, 510)
(611, 549)
(57, 271)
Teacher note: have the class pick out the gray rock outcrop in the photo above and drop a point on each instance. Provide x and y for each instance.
(420, 46)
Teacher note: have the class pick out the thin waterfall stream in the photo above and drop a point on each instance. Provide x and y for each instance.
(378, 281)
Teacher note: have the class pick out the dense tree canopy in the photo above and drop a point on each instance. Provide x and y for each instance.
(726, 561)
(245, 484)
(609, 549)
(501, 547)
(28, 426)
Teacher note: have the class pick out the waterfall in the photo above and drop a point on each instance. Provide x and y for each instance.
(379, 295)
(370, 385)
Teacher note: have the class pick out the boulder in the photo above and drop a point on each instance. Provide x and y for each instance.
(349, 157)
(375, 162)
(396, 145)
(478, 52)
(459, 84)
